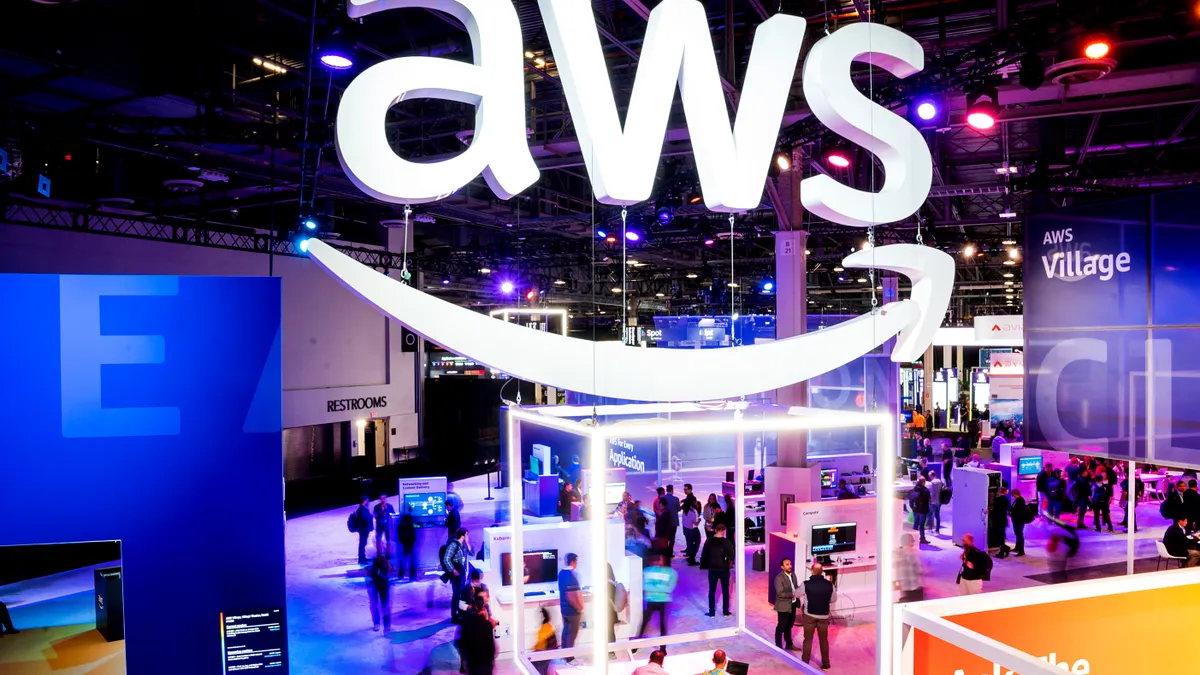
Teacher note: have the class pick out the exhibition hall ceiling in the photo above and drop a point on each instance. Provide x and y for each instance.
(216, 118)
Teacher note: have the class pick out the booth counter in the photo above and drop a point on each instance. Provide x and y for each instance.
(546, 546)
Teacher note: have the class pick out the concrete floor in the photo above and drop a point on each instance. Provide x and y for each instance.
(329, 624)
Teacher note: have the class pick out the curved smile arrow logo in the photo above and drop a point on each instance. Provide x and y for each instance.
(612, 369)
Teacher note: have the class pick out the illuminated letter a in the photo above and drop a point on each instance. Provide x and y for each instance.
(498, 149)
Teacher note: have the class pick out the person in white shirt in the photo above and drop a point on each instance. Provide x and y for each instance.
(975, 463)
(655, 667)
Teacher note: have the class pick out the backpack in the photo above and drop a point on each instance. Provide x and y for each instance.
(620, 598)
(987, 569)
(442, 557)
(947, 492)
(352, 521)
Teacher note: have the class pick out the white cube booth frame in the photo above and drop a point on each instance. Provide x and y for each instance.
(796, 419)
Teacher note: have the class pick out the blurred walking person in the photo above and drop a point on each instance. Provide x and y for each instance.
(908, 570)
(658, 581)
(406, 536)
(379, 590)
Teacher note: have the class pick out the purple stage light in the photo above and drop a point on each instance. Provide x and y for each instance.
(506, 287)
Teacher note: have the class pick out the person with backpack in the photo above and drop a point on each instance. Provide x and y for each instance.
(476, 640)
(360, 522)
(454, 567)
(976, 567)
(1021, 515)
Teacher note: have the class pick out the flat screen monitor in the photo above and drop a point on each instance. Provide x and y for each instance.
(426, 504)
(1029, 466)
(541, 567)
(836, 538)
(828, 478)
(613, 492)
(908, 415)
(737, 668)
(535, 466)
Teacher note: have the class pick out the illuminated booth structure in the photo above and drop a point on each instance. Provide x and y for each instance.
(594, 428)
(1051, 630)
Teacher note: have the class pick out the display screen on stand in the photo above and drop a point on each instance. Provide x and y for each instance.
(837, 538)
(541, 567)
(426, 504)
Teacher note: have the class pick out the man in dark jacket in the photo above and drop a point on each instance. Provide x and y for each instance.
(1101, 499)
(920, 501)
(360, 523)
(718, 558)
(453, 520)
(1176, 541)
(383, 513)
(1080, 492)
(976, 567)
(670, 516)
(1173, 506)
(406, 535)
(786, 585)
(998, 523)
(1191, 506)
(1020, 515)
(454, 562)
(819, 596)
(476, 641)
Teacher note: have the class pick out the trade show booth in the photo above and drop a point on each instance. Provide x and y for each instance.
(592, 430)
(425, 500)
(843, 536)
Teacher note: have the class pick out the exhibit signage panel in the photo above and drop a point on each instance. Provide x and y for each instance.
(1158, 621)
(138, 392)
(1110, 297)
(1012, 327)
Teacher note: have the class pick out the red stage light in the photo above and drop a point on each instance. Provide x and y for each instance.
(67, 157)
(530, 295)
(1097, 48)
(611, 239)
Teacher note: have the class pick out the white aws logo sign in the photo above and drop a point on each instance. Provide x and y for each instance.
(622, 161)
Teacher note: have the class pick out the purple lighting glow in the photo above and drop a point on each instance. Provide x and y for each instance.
(633, 236)
(336, 61)
(506, 287)
(926, 110)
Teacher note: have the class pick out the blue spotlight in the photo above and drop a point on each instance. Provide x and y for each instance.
(302, 244)
(310, 224)
(768, 286)
(600, 234)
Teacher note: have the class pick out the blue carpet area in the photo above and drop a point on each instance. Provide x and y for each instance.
(66, 610)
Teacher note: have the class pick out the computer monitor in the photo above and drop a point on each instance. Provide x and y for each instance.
(425, 504)
(828, 478)
(541, 567)
(730, 476)
(737, 667)
(613, 493)
(835, 538)
(1029, 466)
(535, 466)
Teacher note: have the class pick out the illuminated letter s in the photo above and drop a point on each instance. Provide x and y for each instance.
(498, 149)
(835, 101)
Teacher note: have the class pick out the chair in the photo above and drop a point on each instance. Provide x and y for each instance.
(1163, 554)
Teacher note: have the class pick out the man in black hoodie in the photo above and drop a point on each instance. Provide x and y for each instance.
(360, 522)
